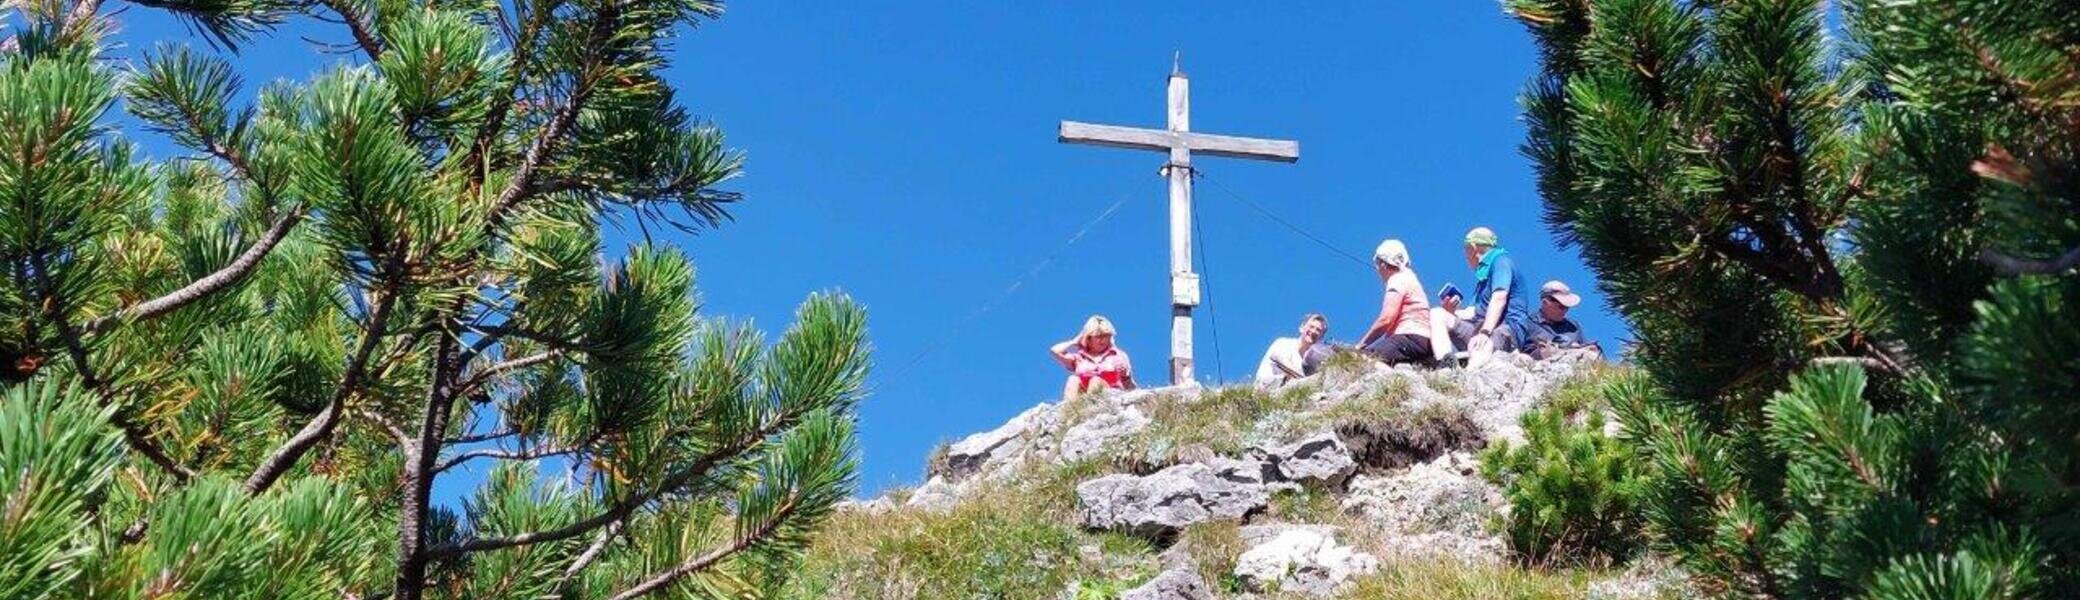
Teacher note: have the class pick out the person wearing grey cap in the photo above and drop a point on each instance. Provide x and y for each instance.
(1551, 334)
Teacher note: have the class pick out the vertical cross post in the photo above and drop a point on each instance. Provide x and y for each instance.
(1184, 284)
(1178, 140)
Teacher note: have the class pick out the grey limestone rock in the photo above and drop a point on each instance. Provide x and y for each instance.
(1304, 560)
(935, 494)
(1007, 443)
(1089, 438)
(1445, 495)
(1159, 504)
(1320, 460)
(1173, 584)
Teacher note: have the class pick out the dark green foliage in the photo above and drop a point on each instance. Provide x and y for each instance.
(241, 373)
(1573, 491)
(1849, 255)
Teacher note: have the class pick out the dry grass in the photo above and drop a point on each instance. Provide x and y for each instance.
(1214, 546)
(1221, 420)
(1005, 541)
(1445, 580)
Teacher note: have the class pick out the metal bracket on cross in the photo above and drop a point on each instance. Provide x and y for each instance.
(1184, 289)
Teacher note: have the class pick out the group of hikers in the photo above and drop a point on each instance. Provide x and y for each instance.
(1409, 329)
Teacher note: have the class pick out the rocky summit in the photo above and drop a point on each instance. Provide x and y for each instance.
(1360, 475)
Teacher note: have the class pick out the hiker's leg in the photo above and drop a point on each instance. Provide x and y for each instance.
(1410, 348)
(1462, 334)
(1096, 384)
(1072, 388)
(1505, 340)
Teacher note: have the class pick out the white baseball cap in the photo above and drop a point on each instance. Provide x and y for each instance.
(1558, 291)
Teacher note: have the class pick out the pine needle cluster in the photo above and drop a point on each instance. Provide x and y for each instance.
(1846, 235)
(241, 372)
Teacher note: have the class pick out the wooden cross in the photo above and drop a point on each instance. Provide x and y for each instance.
(1180, 142)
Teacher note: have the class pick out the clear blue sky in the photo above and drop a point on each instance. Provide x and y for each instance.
(905, 153)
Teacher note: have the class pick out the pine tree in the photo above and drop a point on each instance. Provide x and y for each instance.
(1847, 242)
(238, 373)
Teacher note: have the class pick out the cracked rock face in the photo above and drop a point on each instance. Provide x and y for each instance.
(936, 494)
(1157, 505)
(1433, 511)
(1445, 495)
(1302, 559)
(1090, 438)
(972, 454)
(1320, 460)
(1174, 584)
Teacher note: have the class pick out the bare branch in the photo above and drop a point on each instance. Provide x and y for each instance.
(485, 375)
(286, 456)
(1861, 361)
(2009, 265)
(479, 437)
(591, 554)
(503, 454)
(364, 33)
(418, 476)
(388, 426)
(201, 288)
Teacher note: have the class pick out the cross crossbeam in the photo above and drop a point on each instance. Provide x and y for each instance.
(1162, 140)
(1181, 143)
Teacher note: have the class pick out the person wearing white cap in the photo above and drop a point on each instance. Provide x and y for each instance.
(1401, 333)
(1551, 333)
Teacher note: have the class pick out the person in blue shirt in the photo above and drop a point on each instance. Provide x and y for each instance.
(1500, 309)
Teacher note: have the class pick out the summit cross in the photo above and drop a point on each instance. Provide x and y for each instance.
(1179, 140)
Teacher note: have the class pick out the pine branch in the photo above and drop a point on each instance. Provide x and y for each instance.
(620, 510)
(388, 426)
(702, 562)
(2009, 265)
(202, 288)
(79, 18)
(364, 35)
(272, 467)
(522, 184)
(502, 105)
(75, 347)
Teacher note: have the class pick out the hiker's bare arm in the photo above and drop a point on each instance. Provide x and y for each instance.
(1060, 352)
(1497, 302)
(1389, 311)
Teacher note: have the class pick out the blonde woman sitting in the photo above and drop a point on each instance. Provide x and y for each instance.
(1094, 363)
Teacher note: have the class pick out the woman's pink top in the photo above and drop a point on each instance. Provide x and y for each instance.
(1415, 304)
(1110, 365)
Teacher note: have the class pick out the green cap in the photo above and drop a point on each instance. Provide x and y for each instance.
(1481, 236)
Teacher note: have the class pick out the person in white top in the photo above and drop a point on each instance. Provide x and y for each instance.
(1401, 333)
(1291, 358)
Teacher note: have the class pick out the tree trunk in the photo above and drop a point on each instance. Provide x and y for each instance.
(420, 455)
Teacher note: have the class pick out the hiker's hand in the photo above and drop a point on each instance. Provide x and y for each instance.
(1480, 343)
(1451, 304)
